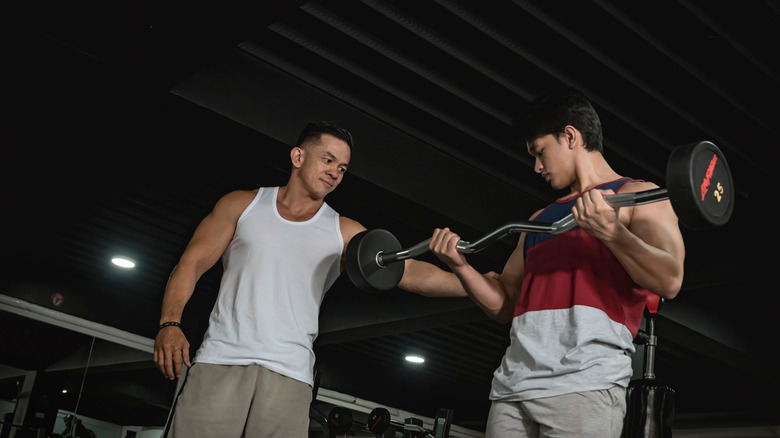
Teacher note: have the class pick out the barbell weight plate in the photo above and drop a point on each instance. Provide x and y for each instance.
(361, 263)
(340, 420)
(378, 421)
(700, 185)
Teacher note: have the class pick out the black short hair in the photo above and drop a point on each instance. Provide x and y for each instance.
(313, 130)
(552, 111)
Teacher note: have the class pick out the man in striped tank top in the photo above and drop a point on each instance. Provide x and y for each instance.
(575, 300)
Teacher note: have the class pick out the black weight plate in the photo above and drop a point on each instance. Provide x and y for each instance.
(362, 266)
(340, 420)
(378, 421)
(700, 185)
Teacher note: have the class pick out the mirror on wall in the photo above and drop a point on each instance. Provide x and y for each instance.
(59, 382)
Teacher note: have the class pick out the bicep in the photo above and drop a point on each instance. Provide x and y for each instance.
(514, 271)
(215, 232)
(657, 225)
(208, 242)
(349, 228)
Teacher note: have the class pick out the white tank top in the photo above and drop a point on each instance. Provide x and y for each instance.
(276, 273)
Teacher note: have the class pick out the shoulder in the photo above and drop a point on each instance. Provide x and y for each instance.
(634, 186)
(234, 203)
(655, 212)
(238, 197)
(349, 228)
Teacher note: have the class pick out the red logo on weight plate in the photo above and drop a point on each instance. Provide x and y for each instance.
(706, 183)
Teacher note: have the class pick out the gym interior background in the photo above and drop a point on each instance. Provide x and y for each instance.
(125, 123)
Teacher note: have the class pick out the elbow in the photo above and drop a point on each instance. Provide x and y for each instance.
(671, 293)
(668, 294)
(501, 310)
(668, 289)
(667, 283)
(673, 286)
(501, 315)
(497, 316)
(671, 279)
(189, 267)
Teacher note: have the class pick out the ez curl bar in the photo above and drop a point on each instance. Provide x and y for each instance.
(699, 187)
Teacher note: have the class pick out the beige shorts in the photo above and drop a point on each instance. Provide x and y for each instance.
(589, 414)
(234, 401)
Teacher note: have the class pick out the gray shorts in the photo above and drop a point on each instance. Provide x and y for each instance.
(589, 414)
(234, 401)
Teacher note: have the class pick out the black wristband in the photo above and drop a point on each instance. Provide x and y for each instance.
(168, 324)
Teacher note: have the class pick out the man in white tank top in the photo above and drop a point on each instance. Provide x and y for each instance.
(281, 248)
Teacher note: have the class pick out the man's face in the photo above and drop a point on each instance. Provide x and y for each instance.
(551, 160)
(324, 164)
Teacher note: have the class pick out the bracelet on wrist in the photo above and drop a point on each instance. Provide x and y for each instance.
(168, 324)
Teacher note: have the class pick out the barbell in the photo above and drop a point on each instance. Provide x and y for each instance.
(699, 187)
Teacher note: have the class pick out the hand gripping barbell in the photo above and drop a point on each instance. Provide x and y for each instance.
(700, 189)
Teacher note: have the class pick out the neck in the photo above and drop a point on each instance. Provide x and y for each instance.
(591, 171)
(295, 204)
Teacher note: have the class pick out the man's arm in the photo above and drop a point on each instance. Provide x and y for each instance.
(419, 277)
(494, 294)
(209, 241)
(429, 280)
(645, 239)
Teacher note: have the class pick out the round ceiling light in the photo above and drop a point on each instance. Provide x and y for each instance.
(414, 358)
(123, 262)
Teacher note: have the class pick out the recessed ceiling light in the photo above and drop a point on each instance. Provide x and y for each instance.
(123, 262)
(414, 358)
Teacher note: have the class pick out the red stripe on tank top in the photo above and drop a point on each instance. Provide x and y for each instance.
(576, 269)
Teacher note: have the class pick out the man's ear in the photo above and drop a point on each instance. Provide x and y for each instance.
(296, 156)
(573, 136)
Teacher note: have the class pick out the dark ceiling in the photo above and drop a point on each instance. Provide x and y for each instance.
(125, 123)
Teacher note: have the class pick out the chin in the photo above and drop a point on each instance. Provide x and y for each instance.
(324, 193)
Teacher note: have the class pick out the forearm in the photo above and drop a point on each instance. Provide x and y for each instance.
(171, 348)
(429, 280)
(488, 292)
(650, 267)
(178, 290)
